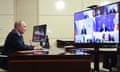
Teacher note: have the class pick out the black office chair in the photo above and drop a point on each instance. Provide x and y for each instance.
(3, 60)
(110, 61)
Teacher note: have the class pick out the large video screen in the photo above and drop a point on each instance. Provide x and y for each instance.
(39, 33)
(98, 25)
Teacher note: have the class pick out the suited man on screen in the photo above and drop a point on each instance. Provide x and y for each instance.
(103, 28)
(83, 30)
(15, 42)
(112, 10)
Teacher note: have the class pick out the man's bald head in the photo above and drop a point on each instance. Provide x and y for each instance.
(20, 26)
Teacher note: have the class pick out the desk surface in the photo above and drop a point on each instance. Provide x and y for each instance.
(34, 61)
(44, 54)
(60, 51)
(36, 58)
(30, 53)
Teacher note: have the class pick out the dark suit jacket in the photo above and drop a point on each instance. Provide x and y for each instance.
(83, 31)
(106, 29)
(14, 42)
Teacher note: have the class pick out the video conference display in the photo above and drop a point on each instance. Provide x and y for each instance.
(39, 33)
(98, 25)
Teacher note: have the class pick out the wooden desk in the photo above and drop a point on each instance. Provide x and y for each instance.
(31, 62)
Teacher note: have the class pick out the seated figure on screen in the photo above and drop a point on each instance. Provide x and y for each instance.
(116, 28)
(98, 12)
(103, 28)
(83, 30)
(112, 10)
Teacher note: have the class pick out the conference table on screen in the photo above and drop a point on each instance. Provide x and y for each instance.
(40, 60)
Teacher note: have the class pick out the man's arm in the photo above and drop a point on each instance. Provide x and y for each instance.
(19, 45)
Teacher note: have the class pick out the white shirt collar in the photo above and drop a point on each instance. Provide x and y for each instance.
(18, 32)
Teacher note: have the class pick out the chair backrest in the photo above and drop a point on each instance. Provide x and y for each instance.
(1, 48)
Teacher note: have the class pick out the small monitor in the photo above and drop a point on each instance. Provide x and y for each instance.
(39, 33)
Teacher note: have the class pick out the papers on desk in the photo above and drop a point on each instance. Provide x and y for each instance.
(3, 56)
(69, 46)
(108, 49)
(34, 52)
(78, 52)
(29, 51)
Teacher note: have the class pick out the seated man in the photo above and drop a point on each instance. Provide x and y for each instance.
(14, 41)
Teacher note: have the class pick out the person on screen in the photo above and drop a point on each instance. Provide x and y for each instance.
(98, 12)
(15, 42)
(37, 32)
(116, 28)
(112, 10)
(103, 28)
(83, 30)
(42, 32)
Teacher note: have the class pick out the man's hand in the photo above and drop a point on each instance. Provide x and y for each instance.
(37, 48)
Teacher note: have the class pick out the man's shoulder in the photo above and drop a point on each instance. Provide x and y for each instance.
(13, 33)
